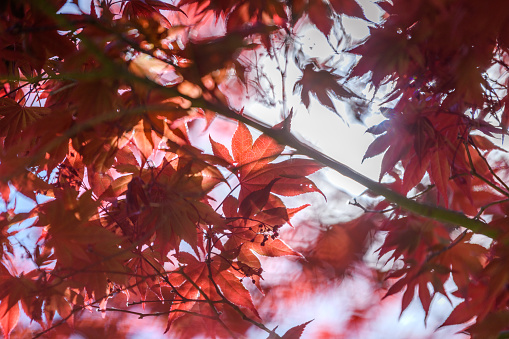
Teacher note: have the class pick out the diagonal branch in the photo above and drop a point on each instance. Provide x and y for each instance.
(285, 137)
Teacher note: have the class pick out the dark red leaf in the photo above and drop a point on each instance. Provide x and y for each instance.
(295, 332)
(348, 7)
(319, 14)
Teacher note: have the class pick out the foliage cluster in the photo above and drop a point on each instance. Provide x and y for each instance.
(97, 115)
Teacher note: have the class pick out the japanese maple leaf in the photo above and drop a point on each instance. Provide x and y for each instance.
(258, 234)
(252, 162)
(198, 281)
(252, 232)
(9, 319)
(340, 246)
(465, 260)
(15, 118)
(322, 84)
(146, 276)
(169, 204)
(9, 307)
(319, 14)
(423, 266)
(474, 304)
(348, 7)
(293, 333)
(7, 219)
(429, 143)
(149, 9)
(76, 240)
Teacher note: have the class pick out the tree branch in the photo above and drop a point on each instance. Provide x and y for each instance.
(285, 137)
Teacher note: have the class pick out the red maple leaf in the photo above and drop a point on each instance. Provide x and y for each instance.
(15, 118)
(202, 282)
(348, 7)
(322, 84)
(252, 162)
(148, 9)
(320, 15)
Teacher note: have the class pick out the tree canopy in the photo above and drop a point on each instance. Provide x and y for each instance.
(103, 104)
